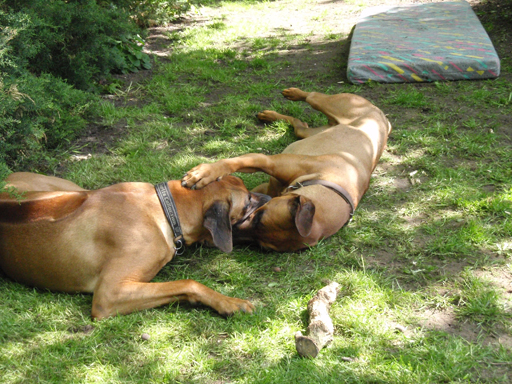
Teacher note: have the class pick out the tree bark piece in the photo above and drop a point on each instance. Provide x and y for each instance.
(320, 330)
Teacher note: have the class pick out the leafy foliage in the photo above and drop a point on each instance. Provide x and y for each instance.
(134, 58)
(38, 113)
(52, 56)
(76, 40)
(154, 12)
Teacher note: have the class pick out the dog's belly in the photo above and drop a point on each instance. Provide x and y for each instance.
(353, 147)
(335, 140)
(340, 139)
(46, 256)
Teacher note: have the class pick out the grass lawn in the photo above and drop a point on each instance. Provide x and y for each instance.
(425, 266)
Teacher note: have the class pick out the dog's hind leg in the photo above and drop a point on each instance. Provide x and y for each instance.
(319, 101)
(342, 108)
(26, 181)
(330, 105)
(300, 128)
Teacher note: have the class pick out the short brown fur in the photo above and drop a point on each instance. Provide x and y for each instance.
(112, 241)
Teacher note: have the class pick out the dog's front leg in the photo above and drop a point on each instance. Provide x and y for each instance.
(123, 298)
(204, 174)
(284, 167)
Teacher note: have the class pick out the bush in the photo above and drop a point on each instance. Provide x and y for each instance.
(155, 12)
(37, 114)
(76, 40)
(49, 49)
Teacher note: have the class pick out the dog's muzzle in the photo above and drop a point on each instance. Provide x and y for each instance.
(261, 199)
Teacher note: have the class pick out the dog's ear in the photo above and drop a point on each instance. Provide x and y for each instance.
(216, 220)
(304, 212)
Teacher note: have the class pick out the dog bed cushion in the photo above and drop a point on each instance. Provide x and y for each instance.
(421, 42)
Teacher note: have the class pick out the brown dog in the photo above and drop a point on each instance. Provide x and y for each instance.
(316, 182)
(113, 241)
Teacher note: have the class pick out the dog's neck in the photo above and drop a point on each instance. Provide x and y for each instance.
(324, 208)
(189, 212)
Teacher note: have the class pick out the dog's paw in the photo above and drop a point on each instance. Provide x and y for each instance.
(230, 305)
(267, 116)
(198, 177)
(294, 94)
(204, 174)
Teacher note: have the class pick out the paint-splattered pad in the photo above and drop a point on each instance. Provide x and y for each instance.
(421, 42)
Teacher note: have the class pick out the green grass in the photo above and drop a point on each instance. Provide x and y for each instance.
(424, 266)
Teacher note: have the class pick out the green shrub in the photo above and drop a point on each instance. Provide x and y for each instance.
(153, 12)
(133, 57)
(38, 114)
(76, 40)
(49, 50)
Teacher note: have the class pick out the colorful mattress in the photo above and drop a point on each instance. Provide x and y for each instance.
(421, 42)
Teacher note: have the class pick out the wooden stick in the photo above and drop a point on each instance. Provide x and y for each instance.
(320, 329)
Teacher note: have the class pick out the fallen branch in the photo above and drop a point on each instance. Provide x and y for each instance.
(320, 330)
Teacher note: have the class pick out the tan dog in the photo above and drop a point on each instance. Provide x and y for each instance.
(113, 241)
(308, 203)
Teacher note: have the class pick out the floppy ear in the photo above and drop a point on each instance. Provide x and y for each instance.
(304, 212)
(216, 220)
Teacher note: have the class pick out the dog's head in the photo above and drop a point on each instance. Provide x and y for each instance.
(227, 202)
(284, 223)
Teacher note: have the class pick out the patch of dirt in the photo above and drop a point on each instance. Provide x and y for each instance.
(446, 320)
(97, 139)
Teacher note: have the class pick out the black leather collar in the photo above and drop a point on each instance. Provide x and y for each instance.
(334, 187)
(171, 213)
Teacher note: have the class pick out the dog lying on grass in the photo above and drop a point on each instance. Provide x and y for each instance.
(317, 182)
(112, 241)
